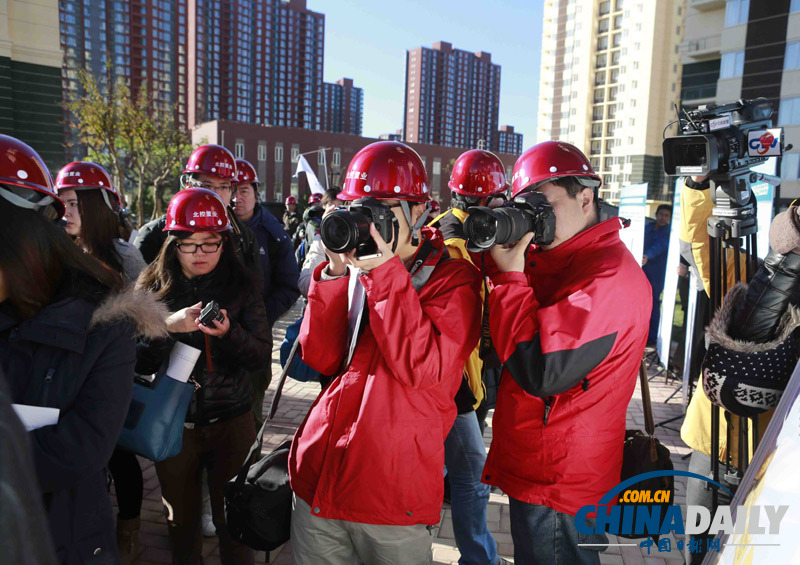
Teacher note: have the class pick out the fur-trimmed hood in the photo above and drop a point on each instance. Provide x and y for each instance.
(717, 331)
(145, 310)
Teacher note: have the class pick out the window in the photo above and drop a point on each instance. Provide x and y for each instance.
(732, 64)
(320, 157)
(238, 150)
(295, 153)
(794, 6)
(278, 154)
(792, 58)
(262, 152)
(790, 166)
(337, 158)
(736, 12)
(789, 112)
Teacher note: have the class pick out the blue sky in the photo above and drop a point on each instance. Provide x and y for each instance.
(366, 40)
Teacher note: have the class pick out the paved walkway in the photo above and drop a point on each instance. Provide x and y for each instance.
(297, 398)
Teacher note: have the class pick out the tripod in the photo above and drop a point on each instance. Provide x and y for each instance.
(733, 221)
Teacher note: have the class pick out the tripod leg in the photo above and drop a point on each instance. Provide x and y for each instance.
(714, 456)
(744, 455)
(755, 433)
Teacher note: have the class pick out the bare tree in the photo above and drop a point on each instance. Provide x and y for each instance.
(138, 141)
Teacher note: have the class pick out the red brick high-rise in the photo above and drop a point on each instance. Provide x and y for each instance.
(258, 61)
(452, 97)
(343, 106)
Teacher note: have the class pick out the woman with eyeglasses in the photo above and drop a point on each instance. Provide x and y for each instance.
(197, 265)
(211, 167)
(94, 221)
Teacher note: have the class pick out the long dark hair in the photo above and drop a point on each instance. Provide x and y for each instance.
(162, 275)
(38, 259)
(99, 227)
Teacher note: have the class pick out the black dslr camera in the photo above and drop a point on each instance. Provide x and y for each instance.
(528, 212)
(722, 140)
(345, 229)
(210, 313)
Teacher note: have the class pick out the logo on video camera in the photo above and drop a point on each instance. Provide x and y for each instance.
(764, 142)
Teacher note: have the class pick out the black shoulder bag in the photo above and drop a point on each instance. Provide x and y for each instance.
(258, 501)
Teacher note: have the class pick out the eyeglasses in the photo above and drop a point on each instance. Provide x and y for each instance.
(225, 187)
(189, 248)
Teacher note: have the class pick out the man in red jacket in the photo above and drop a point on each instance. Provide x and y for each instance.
(366, 465)
(569, 320)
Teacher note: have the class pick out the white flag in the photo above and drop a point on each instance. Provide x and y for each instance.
(313, 182)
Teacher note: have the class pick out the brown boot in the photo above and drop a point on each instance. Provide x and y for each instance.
(128, 539)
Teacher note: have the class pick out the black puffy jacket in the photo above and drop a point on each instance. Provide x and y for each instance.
(226, 392)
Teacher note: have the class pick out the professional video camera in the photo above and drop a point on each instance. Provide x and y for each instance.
(346, 229)
(723, 143)
(721, 140)
(528, 212)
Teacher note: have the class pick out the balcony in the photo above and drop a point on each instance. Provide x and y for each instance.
(706, 5)
(703, 48)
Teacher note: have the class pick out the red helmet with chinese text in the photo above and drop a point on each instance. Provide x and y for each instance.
(314, 198)
(386, 169)
(25, 178)
(245, 173)
(290, 200)
(552, 160)
(83, 175)
(214, 160)
(197, 210)
(478, 173)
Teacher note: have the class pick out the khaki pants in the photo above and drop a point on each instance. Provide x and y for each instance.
(318, 540)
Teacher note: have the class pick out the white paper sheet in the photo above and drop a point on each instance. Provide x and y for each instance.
(182, 360)
(34, 417)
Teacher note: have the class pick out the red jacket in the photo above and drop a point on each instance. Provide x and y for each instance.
(371, 449)
(571, 332)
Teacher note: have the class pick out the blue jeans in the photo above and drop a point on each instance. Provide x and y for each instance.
(464, 457)
(545, 536)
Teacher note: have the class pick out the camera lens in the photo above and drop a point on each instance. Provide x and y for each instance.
(342, 230)
(480, 228)
(512, 224)
(337, 231)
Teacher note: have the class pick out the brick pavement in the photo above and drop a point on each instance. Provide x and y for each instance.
(297, 398)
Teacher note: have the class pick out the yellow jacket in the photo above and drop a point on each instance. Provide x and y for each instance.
(457, 247)
(696, 208)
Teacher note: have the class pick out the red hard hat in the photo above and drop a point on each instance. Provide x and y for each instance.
(245, 173)
(212, 160)
(478, 173)
(197, 210)
(386, 169)
(314, 198)
(435, 206)
(291, 200)
(82, 175)
(23, 168)
(551, 160)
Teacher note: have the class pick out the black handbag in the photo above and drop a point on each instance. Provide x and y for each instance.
(258, 501)
(643, 453)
